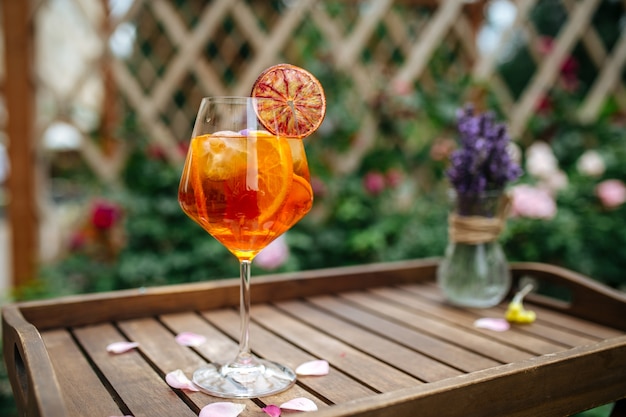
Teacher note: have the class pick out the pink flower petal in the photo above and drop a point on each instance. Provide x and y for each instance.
(274, 255)
(497, 325)
(299, 404)
(190, 339)
(121, 347)
(222, 409)
(177, 379)
(319, 367)
(272, 410)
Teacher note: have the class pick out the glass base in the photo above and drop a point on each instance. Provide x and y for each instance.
(250, 381)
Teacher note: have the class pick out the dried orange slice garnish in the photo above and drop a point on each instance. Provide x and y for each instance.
(297, 97)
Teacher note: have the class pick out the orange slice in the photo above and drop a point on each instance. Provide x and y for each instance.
(298, 103)
(299, 201)
(258, 188)
(275, 175)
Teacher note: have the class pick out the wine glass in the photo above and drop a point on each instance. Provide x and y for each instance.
(245, 186)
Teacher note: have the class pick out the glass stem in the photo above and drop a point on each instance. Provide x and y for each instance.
(244, 357)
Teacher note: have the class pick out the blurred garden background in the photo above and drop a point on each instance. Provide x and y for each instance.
(99, 97)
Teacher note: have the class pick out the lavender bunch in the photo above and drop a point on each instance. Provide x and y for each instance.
(482, 163)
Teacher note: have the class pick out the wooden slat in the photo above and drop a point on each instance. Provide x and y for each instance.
(435, 348)
(158, 344)
(576, 325)
(142, 391)
(445, 330)
(335, 387)
(83, 391)
(365, 369)
(408, 360)
(426, 299)
(540, 330)
(220, 348)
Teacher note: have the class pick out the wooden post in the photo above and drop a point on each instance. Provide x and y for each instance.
(19, 94)
(109, 114)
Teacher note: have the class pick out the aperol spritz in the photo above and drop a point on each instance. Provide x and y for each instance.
(245, 186)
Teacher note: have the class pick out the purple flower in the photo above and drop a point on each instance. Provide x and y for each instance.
(482, 162)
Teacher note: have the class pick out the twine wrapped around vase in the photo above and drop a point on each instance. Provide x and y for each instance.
(474, 230)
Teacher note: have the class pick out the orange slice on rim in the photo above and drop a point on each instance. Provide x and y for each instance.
(297, 102)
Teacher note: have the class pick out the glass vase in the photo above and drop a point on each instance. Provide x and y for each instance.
(474, 271)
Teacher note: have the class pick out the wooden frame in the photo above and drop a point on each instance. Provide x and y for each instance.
(573, 373)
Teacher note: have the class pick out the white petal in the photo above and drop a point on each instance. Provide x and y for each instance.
(497, 325)
(222, 409)
(319, 367)
(121, 347)
(299, 404)
(177, 379)
(190, 339)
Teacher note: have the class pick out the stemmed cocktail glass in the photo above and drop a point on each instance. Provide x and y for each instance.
(245, 186)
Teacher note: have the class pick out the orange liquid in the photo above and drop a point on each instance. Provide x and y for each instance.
(245, 191)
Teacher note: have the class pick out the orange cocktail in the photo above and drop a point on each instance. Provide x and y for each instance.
(246, 181)
(245, 189)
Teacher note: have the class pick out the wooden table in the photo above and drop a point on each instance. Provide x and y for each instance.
(395, 347)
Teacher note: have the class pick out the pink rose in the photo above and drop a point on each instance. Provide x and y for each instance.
(104, 214)
(612, 193)
(374, 182)
(532, 202)
(274, 255)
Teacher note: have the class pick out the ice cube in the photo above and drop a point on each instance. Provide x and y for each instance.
(228, 134)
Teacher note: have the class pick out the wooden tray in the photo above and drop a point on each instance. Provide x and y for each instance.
(395, 347)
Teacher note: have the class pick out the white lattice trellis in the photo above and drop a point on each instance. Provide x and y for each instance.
(183, 50)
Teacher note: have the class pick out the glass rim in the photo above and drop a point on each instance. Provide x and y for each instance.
(233, 98)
